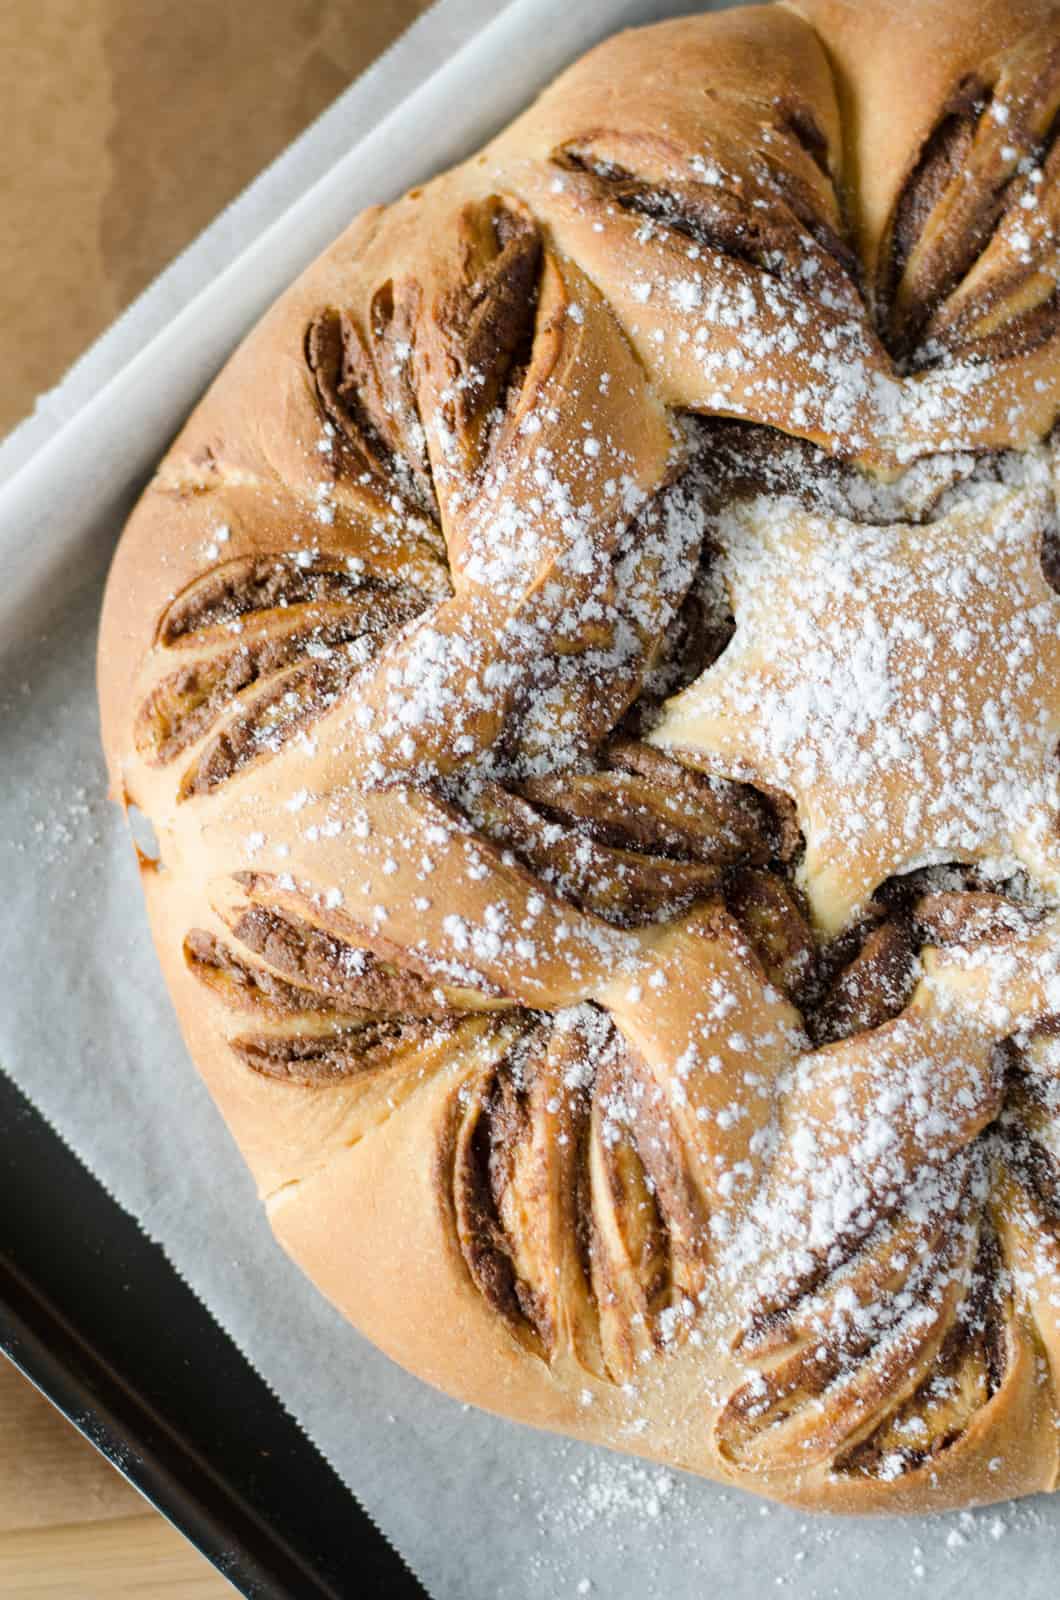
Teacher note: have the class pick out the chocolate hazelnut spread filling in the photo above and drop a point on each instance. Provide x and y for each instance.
(957, 275)
(345, 1022)
(875, 986)
(493, 1124)
(485, 321)
(1024, 1132)
(768, 909)
(942, 162)
(847, 1370)
(289, 701)
(315, 1061)
(630, 1250)
(244, 985)
(860, 1265)
(348, 389)
(342, 973)
(574, 1208)
(276, 637)
(190, 700)
(635, 841)
(268, 583)
(620, 885)
(683, 815)
(773, 236)
(968, 1371)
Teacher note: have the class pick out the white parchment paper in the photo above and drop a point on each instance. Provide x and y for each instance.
(480, 1508)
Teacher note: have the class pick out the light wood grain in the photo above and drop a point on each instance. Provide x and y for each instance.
(48, 1473)
(71, 1528)
(137, 1557)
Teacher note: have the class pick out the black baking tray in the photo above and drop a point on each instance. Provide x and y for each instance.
(96, 1317)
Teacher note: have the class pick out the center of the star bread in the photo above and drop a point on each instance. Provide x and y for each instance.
(892, 679)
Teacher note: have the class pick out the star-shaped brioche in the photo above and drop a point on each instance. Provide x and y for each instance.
(522, 1023)
(900, 682)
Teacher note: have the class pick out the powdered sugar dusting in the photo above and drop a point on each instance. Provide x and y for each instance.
(846, 684)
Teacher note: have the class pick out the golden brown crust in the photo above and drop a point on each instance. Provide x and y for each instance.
(590, 662)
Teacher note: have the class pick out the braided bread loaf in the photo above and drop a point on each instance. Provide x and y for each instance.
(592, 662)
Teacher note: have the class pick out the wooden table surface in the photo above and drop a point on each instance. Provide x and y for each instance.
(129, 124)
(70, 1527)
